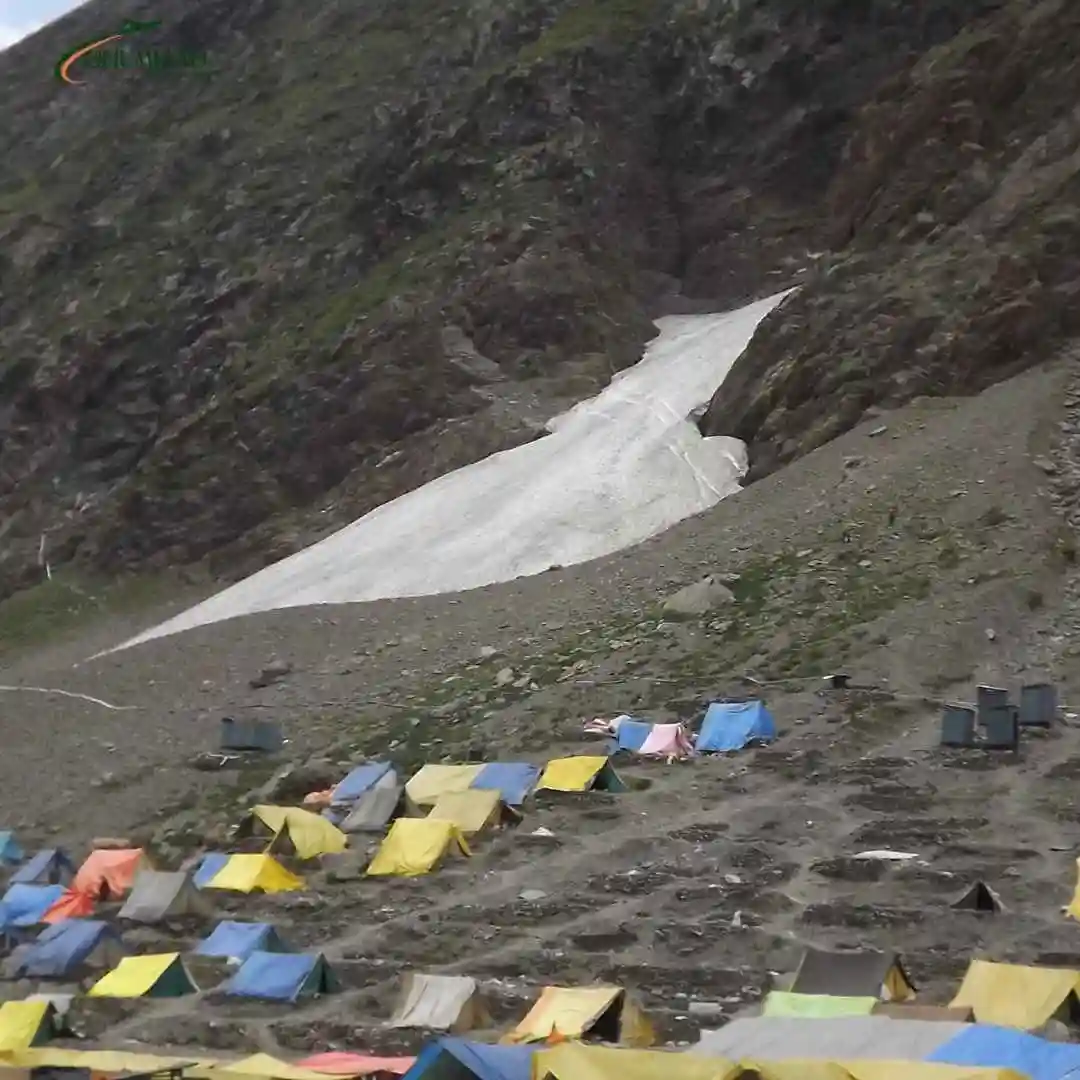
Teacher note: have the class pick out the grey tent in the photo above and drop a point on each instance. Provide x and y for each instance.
(440, 1003)
(375, 808)
(979, 897)
(855, 973)
(837, 1038)
(156, 896)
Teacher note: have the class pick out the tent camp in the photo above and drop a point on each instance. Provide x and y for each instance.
(453, 1057)
(377, 807)
(24, 1024)
(423, 789)
(1017, 996)
(471, 811)
(157, 896)
(296, 831)
(414, 846)
(159, 976)
(254, 873)
(854, 973)
(340, 1063)
(10, 851)
(282, 977)
(208, 867)
(783, 1003)
(513, 780)
(66, 948)
(238, 940)
(49, 867)
(652, 740)
(580, 774)
(109, 873)
(440, 1003)
(359, 781)
(26, 905)
(978, 897)
(606, 1013)
(731, 725)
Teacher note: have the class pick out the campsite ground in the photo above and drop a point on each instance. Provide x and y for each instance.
(959, 567)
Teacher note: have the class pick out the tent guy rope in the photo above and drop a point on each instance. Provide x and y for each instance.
(71, 694)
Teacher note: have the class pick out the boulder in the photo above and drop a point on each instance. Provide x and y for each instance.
(698, 599)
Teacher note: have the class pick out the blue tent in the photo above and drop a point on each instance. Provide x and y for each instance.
(10, 851)
(514, 779)
(48, 867)
(483, 1061)
(238, 940)
(732, 725)
(24, 905)
(282, 977)
(208, 869)
(62, 948)
(631, 735)
(360, 780)
(1005, 1048)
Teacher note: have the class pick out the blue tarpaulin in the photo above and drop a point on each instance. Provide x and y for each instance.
(484, 1061)
(24, 905)
(208, 869)
(282, 977)
(984, 1044)
(49, 867)
(61, 948)
(632, 735)
(238, 940)
(732, 725)
(361, 779)
(513, 779)
(10, 851)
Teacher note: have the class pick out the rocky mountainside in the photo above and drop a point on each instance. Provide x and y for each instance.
(367, 245)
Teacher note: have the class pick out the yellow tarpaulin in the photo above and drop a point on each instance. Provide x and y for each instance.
(265, 1066)
(311, 835)
(1013, 995)
(470, 811)
(106, 1061)
(1074, 905)
(572, 1011)
(246, 873)
(570, 773)
(414, 845)
(21, 1023)
(925, 1070)
(809, 1006)
(138, 976)
(432, 781)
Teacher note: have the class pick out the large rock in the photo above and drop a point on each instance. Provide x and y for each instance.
(698, 599)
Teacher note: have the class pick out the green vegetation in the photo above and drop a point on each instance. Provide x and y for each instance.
(615, 21)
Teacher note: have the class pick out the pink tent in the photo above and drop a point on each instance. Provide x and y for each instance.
(667, 740)
(341, 1064)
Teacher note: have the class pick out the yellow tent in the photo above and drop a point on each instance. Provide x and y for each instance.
(469, 811)
(265, 1066)
(246, 873)
(414, 845)
(101, 1061)
(579, 774)
(574, 1012)
(925, 1070)
(809, 1006)
(311, 835)
(1013, 995)
(160, 975)
(1074, 905)
(424, 789)
(24, 1024)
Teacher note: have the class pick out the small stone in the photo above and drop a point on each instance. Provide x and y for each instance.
(530, 896)
(504, 677)
(990, 635)
(487, 652)
(274, 672)
(1046, 465)
(878, 431)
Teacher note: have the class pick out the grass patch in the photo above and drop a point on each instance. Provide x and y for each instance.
(616, 21)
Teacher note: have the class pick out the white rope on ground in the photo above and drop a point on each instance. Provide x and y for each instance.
(70, 694)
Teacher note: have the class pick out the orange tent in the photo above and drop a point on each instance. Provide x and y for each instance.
(337, 1063)
(72, 905)
(108, 873)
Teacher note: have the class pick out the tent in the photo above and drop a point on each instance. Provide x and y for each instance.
(413, 846)
(607, 1013)
(374, 810)
(781, 1003)
(978, 897)
(209, 867)
(162, 975)
(251, 873)
(157, 896)
(469, 811)
(853, 973)
(340, 1063)
(449, 1056)
(265, 1066)
(909, 1011)
(24, 1024)
(1014, 995)
(424, 789)
(360, 781)
(282, 977)
(70, 905)
(513, 780)
(61, 950)
(10, 851)
(26, 905)
(48, 867)
(731, 725)
(580, 774)
(981, 1044)
(238, 940)
(440, 1003)
(652, 740)
(309, 835)
(1074, 905)
(109, 873)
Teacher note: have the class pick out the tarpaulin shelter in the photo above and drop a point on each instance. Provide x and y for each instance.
(308, 835)
(99, 1061)
(983, 1045)
(607, 1013)
(784, 1003)
(470, 811)
(162, 975)
(108, 873)
(583, 773)
(340, 1063)
(978, 897)
(265, 1067)
(26, 905)
(24, 1024)
(452, 1057)
(853, 973)
(238, 940)
(377, 807)
(423, 789)
(1015, 995)
(157, 895)
(282, 977)
(71, 904)
(652, 740)
(413, 846)
(731, 725)
(910, 1011)
(255, 873)
(359, 781)
(11, 852)
(513, 780)
(209, 867)
(48, 867)
(440, 1003)
(63, 949)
